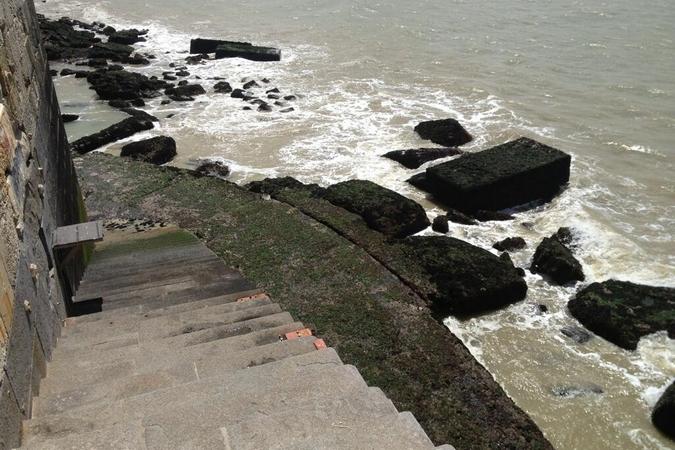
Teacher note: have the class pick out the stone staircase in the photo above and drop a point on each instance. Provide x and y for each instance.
(187, 354)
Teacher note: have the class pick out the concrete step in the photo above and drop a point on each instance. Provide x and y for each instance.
(91, 367)
(200, 273)
(153, 309)
(127, 324)
(106, 280)
(267, 387)
(325, 426)
(223, 286)
(121, 436)
(190, 366)
(164, 327)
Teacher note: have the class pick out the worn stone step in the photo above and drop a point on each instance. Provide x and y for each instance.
(326, 426)
(154, 309)
(133, 275)
(128, 324)
(221, 287)
(266, 387)
(193, 364)
(164, 327)
(94, 366)
(120, 436)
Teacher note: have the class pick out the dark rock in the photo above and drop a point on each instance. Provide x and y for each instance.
(138, 102)
(576, 391)
(420, 181)
(196, 59)
(663, 415)
(62, 41)
(247, 108)
(488, 216)
(264, 107)
(156, 150)
(141, 115)
(69, 117)
(623, 312)
(137, 60)
(213, 168)
(183, 83)
(65, 72)
(459, 217)
(414, 158)
(445, 132)
(182, 73)
(287, 110)
(521, 272)
(108, 30)
(382, 209)
(440, 224)
(181, 98)
(123, 85)
(170, 78)
(127, 37)
(272, 186)
(165, 102)
(97, 62)
(272, 91)
(251, 52)
(119, 103)
(577, 334)
(250, 84)
(222, 87)
(502, 177)
(281, 103)
(238, 93)
(110, 50)
(273, 96)
(187, 90)
(510, 244)
(469, 279)
(266, 80)
(542, 308)
(290, 98)
(124, 129)
(53, 73)
(210, 45)
(555, 260)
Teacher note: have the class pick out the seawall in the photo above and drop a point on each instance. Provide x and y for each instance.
(39, 192)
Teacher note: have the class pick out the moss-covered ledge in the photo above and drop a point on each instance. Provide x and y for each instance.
(372, 318)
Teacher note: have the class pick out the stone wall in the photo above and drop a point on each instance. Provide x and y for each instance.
(38, 193)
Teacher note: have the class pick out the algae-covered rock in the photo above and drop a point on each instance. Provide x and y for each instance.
(510, 244)
(622, 312)
(663, 415)
(469, 279)
(272, 186)
(156, 150)
(124, 129)
(383, 209)
(502, 177)
(554, 259)
(446, 132)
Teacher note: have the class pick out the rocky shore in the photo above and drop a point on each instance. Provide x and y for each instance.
(348, 257)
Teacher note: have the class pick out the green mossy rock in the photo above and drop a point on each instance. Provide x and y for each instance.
(383, 210)
(623, 312)
(469, 279)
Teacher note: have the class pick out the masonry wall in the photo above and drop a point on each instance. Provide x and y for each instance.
(38, 193)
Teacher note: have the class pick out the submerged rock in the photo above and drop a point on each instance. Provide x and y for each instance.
(663, 415)
(69, 117)
(510, 244)
(445, 132)
(623, 312)
(502, 177)
(213, 168)
(414, 158)
(382, 209)
(187, 90)
(554, 259)
(577, 334)
(576, 391)
(124, 129)
(141, 115)
(469, 279)
(156, 150)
